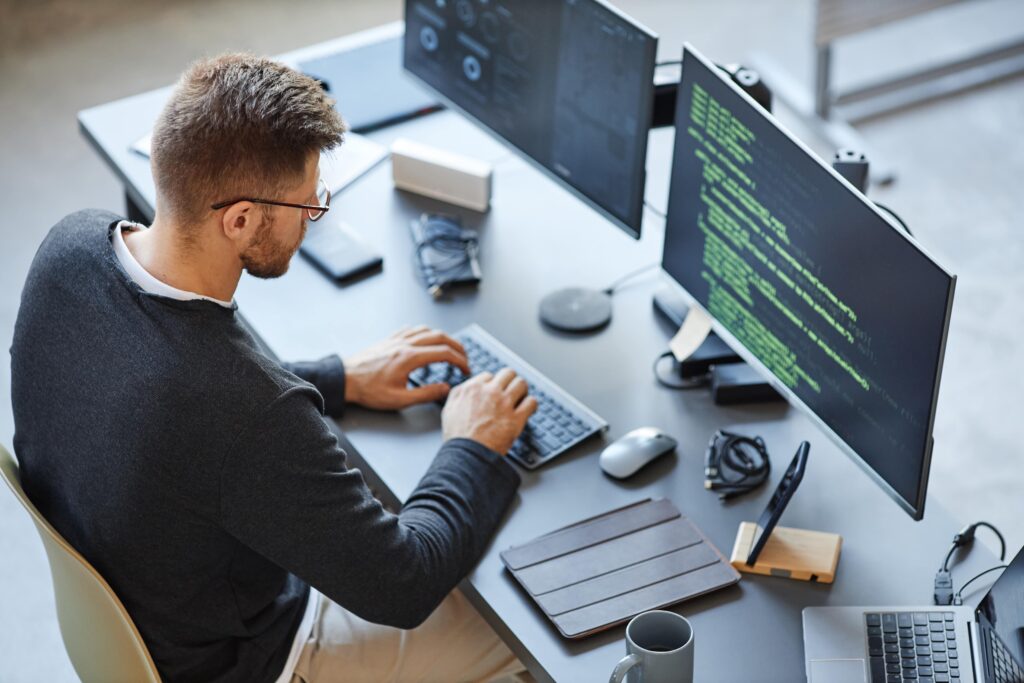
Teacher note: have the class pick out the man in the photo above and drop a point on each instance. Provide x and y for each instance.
(199, 476)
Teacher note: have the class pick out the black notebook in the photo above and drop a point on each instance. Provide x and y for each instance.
(605, 570)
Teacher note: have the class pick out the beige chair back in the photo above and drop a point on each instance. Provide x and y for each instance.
(102, 642)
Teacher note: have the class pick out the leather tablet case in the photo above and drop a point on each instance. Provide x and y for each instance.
(605, 570)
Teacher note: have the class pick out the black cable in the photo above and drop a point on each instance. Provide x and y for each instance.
(744, 456)
(682, 384)
(670, 62)
(657, 212)
(959, 598)
(944, 594)
(899, 220)
(945, 563)
(610, 289)
(1002, 541)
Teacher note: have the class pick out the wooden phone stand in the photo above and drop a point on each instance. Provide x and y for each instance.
(789, 553)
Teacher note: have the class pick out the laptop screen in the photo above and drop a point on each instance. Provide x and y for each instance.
(1002, 613)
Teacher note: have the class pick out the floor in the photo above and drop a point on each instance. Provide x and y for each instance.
(960, 163)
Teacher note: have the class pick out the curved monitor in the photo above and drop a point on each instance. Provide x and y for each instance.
(845, 314)
(567, 83)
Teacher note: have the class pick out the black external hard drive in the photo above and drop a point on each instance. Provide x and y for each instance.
(734, 383)
(339, 252)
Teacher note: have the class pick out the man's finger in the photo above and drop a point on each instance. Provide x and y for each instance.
(479, 378)
(504, 377)
(435, 337)
(518, 389)
(418, 356)
(526, 408)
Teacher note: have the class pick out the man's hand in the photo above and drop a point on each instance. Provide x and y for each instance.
(378, 377)
(489, 409)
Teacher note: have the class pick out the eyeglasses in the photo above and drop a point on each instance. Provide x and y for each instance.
(314, 211)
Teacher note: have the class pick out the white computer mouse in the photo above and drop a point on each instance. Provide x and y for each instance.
(626, 455)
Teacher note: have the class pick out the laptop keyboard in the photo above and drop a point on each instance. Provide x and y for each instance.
(560, 422)
(915, 647)
(1002, 666)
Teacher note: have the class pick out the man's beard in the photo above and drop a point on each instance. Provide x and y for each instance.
(265, 257)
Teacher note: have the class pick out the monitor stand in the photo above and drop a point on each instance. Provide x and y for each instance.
(576, 309)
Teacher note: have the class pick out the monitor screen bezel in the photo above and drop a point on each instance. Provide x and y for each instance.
(915, 508)
(631, 226)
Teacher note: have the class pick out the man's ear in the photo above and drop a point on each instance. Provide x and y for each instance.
(241, 221)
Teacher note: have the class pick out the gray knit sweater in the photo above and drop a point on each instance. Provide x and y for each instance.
(200, 478)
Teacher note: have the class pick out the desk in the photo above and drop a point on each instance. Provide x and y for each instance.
(536, 238)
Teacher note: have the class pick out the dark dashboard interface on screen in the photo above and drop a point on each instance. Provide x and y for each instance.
(567, 82)
(842, 308)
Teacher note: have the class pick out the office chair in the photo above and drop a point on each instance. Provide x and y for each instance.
(101, 640)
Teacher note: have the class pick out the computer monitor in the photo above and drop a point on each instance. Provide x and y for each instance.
(568, 83)
(807, 280)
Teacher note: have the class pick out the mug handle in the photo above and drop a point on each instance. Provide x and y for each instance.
(624, 665)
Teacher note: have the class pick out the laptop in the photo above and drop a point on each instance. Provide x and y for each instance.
(892, 644)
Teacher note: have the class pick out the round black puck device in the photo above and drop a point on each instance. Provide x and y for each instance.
(576, 309)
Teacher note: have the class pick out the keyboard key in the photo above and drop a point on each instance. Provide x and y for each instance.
(889, 623)
(920, 618)
(906, 631)
(874, 630)
(924, 661)
(920, 630)
(894, 678)
(923, 640)
(923, 651)
(892, 668)
(892, 647)
(936, 627)
(905, 619)
(941, 667)
(889, 659)
(941, 678)
(948, 616)
(909, 675)
(934, 616)
(924, 671)
(877, 669)
(892, 638)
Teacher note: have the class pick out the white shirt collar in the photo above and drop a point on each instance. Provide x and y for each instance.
(144, 279)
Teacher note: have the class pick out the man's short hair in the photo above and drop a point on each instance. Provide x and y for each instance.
(238, 125)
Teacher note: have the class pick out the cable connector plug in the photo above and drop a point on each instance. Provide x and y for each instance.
(943, 587)
(965, 537)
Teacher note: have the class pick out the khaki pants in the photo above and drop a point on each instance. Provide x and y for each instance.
(453, 645)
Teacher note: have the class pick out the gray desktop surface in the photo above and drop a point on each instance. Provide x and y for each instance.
(536, 238)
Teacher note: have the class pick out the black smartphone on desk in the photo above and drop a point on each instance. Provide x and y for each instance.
(339, 252)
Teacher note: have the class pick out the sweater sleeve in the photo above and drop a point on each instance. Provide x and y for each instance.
(328, 376)
(287, 493)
